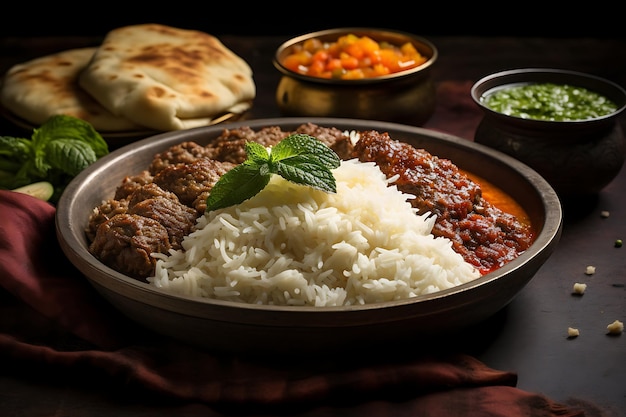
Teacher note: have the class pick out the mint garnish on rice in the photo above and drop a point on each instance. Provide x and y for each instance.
(298, 158)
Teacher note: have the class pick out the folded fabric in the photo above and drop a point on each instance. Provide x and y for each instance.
(53, 320)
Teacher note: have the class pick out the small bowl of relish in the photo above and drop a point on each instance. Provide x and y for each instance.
(563, 124)
(359, 73)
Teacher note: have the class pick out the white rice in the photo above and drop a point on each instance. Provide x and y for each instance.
(293, 245)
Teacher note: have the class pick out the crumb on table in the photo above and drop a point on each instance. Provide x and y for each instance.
(617, 327)
(579, 288)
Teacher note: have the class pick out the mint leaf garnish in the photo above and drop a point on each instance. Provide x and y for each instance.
(256, 153)
(237, 185)
(305, 145)
(56, 152)
(304, 169)
(299, 158)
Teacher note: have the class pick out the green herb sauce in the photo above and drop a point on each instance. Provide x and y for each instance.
(548, 101)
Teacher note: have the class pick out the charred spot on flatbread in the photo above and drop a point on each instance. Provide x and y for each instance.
(48, 85)
(167, 78)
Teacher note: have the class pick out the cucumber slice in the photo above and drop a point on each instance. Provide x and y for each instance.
(42, 190)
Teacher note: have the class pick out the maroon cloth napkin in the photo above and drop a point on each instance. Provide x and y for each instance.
(54, 321)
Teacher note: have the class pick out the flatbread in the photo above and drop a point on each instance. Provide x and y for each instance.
(167, 78)
(45, 86)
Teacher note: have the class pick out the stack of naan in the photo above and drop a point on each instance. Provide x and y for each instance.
(147, 76)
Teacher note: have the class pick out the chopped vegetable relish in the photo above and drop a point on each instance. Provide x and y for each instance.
(351, 57)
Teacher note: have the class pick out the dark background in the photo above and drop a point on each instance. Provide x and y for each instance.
(541, 19)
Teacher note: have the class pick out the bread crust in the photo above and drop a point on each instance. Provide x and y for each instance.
(46, 86)
(167, 78)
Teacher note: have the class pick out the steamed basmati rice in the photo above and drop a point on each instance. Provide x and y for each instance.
(293, 245)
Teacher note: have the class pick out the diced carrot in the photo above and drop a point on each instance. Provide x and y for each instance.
(320, 55)
(349, 62)
(355, 50)
(334, 64)
(294, 61)
(368, 44)
(334, 49)
(409, 49)
(375, 57)
(317, 67)
(389, 59)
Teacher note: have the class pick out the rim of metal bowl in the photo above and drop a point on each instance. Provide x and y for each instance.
(519, 76)
(423, 45)
(70, 230)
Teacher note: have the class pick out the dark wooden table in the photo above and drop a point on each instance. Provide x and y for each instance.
(529, 336)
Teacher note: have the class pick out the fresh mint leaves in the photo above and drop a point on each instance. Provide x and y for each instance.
(56, 152)
(299, 158)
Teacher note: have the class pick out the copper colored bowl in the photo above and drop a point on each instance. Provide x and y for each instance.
(405, 97)
(239, 327)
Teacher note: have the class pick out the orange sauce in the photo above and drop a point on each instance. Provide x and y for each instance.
(500, 199)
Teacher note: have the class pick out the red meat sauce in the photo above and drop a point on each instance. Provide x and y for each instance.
(152, 210)
(485, 235)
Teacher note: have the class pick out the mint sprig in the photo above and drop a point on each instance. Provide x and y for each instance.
(299, 158)
(56, 152)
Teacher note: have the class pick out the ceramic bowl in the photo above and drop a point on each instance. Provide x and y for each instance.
(577, 157)
(406, 97)
(238, 327)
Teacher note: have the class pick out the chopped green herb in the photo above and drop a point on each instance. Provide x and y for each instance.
(549, 101)
(299, 158)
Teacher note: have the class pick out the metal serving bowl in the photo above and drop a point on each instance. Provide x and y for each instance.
(405, 97)
(239, 327)
(577, 157)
